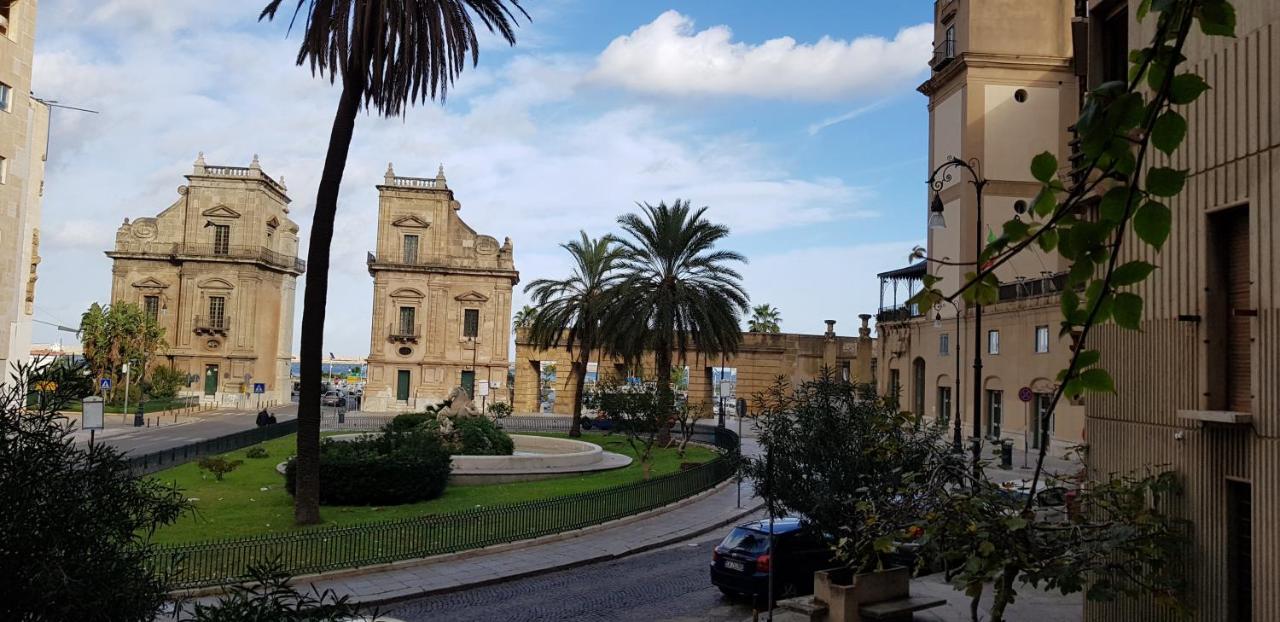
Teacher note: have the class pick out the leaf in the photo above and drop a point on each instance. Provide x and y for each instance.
(1015, 229)
(1048, 240)
(1014, 523)
(1163, 181)
(986, 548)
(883, 544)
(1168, 131)
(1152, 223)
(1156, 72)
(1143, 8)
(1130, 273)
(1127, 310)
(1044, 166)
(1185, 88)
(1112, 206)
(1069, 302)
(1097, 380)
(1088, 358)
(1080, 272)
(1217, 18)
(1045, 202)
(1129, 111)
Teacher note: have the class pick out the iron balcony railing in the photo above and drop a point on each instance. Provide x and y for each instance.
(1046, 285)
(197, 250)
(402, 333)
(225, 561)
(211, 325)
(900, 313)
(943, 53)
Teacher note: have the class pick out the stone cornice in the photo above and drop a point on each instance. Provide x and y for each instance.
(513, 275)
(983, 60)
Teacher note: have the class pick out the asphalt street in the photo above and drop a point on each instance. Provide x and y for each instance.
(206, 425)
(666, 584)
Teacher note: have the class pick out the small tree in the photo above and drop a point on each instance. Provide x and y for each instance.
(218, 465)
(686, 415)
(638, 411)
(75, 543)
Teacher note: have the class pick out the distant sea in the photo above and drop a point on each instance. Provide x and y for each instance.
(338, 368)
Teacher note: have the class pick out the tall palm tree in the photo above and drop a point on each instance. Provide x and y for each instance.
(679, 292)
(765, 318)
(523, 317)
(570, 311)
(389, 54)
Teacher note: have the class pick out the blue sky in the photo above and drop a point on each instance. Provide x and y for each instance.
(798, 124)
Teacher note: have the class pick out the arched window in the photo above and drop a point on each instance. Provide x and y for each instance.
(917, 386)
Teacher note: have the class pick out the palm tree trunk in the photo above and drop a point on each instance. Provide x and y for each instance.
(306, 499)
(666, 398)
(580, 367)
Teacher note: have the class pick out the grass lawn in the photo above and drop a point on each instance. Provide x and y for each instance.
(252, 500)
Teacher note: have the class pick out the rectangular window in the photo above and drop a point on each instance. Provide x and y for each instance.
(151, 306)
(995, 412)
(1239, 550)
(6, 12)
(1042, 339)
(944, 344)
(1042, 426)
(411, 249)
(407, 316)
(1231, 311)
(993, 342)
(221, 239)
(944, 404)
(844, 371)
(4, 170)
(1114, 44)
(217, 311)
(470, 322)
(895, 383)
(6, 97)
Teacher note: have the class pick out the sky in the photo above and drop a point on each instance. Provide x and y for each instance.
(797, 124)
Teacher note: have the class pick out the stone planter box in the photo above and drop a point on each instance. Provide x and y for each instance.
(838, 594)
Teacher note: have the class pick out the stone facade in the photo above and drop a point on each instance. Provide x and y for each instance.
(1003, 88)
(24, 133)
(441, 299)
(218, 270)
(761, 359)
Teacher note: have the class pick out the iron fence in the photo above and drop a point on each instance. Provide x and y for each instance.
(219, 562)
(165, 458)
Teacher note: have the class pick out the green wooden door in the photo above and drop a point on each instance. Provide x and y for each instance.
(210, 379)
(469, 383)
(402, 385)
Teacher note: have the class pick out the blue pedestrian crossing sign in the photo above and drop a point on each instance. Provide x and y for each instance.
(259, 387)
(104, 384)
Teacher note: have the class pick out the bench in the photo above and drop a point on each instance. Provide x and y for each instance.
(898, 608)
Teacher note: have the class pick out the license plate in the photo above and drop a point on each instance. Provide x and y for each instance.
(732, 565)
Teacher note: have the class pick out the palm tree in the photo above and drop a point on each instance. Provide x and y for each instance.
(570, 311)
(389, 54)
(523, 317)
(765, 318)
(679, 293)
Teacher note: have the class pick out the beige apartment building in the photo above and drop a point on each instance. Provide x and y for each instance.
(24, 134)
(1003, 88)
(1199, 386)
(441, 300)
(217, 269)
(546, 382)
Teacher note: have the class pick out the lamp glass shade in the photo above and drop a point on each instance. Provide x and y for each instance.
(937, 220)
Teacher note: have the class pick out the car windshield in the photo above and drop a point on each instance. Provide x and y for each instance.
(746, 540)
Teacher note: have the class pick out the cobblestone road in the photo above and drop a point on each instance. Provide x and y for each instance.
(667, 584)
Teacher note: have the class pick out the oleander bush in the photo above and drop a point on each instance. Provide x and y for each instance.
(391, 469)
(480, 436)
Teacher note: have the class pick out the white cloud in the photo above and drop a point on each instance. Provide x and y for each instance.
(667, 56)
(529, 153)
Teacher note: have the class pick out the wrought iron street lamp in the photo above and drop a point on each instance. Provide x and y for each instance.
(941, 176)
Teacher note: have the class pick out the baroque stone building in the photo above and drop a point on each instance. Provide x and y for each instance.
(441, 300)
(1003, 88)
(545, 381)
(24, 133)
(218, 270)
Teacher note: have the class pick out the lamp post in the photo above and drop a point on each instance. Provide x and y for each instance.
(937, 181)
(957, 441)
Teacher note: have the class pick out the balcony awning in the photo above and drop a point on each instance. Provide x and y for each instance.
(913, 271)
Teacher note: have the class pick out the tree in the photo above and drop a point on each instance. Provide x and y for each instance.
(765, 318)
(523, 317)
(77, 521)
(678, 292)
(389, 54)
(638, 411)
(117, 334)
(570, 311)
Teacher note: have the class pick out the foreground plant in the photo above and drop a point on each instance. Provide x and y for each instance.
(77, 523)
(268, 597)
(1116, 201)
(389, 54)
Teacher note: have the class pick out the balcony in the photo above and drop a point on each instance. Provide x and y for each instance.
(944, 53)
(212, 325)
(1047, 285)
(403, 333)
(177, 251)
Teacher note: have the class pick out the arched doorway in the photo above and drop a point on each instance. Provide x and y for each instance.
(917, 386)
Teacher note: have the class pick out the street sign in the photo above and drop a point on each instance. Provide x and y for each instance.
(482, 388)
(259, 387)
(1025, 394)
(104, 384)
(91, 414)
(726, 388)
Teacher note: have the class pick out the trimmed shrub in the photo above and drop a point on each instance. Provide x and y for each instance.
(479, 436)
(498, 410)
(395, 468)
(257, 452)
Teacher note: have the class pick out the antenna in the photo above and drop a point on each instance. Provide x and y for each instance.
(53, 103)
